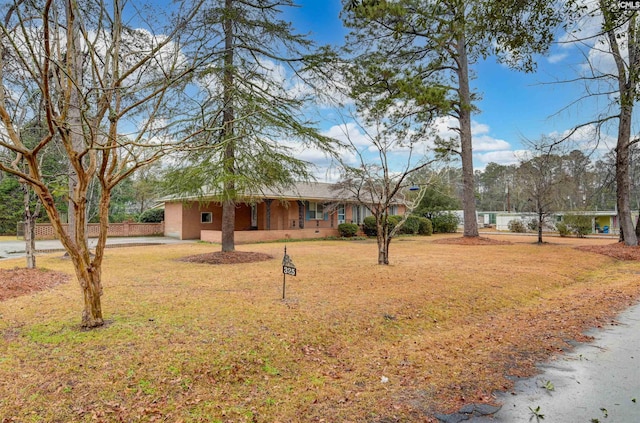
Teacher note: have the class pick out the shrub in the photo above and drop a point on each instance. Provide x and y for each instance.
(152, 216)
(347, 230)
(369, 224)
(411, 226)
(445, 222)
(563, 229)
(532, 224)
(517, 225)
(424, 226)
(578, 224)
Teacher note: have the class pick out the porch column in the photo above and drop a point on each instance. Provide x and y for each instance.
(268, 203)
(301, 214)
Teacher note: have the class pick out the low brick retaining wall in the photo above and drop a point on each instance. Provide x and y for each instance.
(46, 231)
(247, 237)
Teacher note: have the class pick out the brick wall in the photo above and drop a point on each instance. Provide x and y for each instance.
(46, 231)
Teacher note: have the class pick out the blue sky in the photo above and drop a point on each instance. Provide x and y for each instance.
(514, 105)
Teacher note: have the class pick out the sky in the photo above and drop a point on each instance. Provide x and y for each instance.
(514, 106)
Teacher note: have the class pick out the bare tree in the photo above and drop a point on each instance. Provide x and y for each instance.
(109, 94)
(541, 175)
(617, 42)
(384, 181)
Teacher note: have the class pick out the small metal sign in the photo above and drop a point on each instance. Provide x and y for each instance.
(288, 268)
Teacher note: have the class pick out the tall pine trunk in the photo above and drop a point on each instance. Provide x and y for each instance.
(466, 147)
(229, 194)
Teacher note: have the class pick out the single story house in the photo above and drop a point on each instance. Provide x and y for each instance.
(306, 210)
(603, 222)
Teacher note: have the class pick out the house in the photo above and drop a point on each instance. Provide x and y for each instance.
(306, 210)
(602, 221)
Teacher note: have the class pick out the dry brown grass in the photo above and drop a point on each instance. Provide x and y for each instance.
(192, 342)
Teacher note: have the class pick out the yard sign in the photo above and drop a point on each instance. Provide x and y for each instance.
(288, 268)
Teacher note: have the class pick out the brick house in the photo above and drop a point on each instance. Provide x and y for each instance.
(306, 210)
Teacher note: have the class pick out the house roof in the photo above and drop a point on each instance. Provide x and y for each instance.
(314, 191)
(320, 191)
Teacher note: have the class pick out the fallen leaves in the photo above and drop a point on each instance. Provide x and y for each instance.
(19, 281)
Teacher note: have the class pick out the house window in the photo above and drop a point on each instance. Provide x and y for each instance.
(206, 217)
(393, 210)
(359, 213)
(254, 216)
(341, 215)
(315, 211)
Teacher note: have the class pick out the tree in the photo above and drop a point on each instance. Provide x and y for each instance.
(83, 73)
(260, 113)
(541, 174)
(384, 181)
(11, 207)
(434, 43)
(438, 197)
(614, 77)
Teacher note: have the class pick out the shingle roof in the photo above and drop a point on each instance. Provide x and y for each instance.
(314, 191)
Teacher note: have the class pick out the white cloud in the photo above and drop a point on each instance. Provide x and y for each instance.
(505, 157)
(556, 58)
(587, 138)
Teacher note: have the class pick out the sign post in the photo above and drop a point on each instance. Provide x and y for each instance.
(288, 268)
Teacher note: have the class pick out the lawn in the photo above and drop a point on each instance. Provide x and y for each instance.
(442, 326)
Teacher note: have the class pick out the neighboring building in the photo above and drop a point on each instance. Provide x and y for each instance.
(307, 210)
(604, 222)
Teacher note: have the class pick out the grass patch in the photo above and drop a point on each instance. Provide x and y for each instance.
(442, 326)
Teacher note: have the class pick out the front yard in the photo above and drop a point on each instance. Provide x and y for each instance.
(444, 325)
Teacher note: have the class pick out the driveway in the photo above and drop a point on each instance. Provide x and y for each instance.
(13, 249)
(597, 382)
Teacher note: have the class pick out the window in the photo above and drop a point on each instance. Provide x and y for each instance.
(316, 211)
(206, 217)
(341, 215)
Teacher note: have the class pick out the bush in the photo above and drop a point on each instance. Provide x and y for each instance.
(445, 222)
(152, 216)
(532, 224)
(563, 229)
(517, 225)
(411, 226)
(347, 230)
(369, 224)
(425, 227)
(578, 224)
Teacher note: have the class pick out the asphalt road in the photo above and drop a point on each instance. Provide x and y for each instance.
(13, 249)
(598, 382)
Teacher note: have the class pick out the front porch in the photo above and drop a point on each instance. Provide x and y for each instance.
(249, 237)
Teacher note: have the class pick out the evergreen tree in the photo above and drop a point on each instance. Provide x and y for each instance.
(253, 95)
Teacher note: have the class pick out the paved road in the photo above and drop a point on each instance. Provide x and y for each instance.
(597, 382)
(13, 249)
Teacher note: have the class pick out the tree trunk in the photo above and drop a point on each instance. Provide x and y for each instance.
(29, 228)
(229, 194)
(382, 237)
(540, 218)
(466, 148)
(623, 179)
(627, 82)
(89, 279)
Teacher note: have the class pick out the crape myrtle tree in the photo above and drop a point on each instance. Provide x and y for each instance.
(426, 42)
(613, 74)
(255, 87)
(107, 93)
(384, 181)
